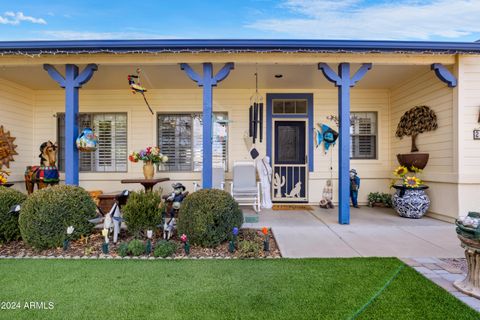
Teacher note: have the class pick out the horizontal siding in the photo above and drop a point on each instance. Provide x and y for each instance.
(142, 127)
(16, 116)
(468, 114)
(425, 89)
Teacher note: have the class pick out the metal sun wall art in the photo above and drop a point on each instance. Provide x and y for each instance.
(7, 148)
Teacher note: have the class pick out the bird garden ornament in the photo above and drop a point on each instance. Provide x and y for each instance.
(135, 86)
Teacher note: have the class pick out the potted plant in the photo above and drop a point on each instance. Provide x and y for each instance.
(379, 199)
(149, 156)
(410, 199)
(417, 120)
(4, 178)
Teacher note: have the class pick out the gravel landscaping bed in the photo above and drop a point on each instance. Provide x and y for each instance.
(91, 247)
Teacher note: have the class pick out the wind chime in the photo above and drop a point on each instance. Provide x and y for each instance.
(256, 118)
(137, 87)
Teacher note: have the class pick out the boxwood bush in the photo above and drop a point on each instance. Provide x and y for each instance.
(9, 221)
(165, 248)
(47, 213)
(142, 212)
(208, 216)
(136, 247)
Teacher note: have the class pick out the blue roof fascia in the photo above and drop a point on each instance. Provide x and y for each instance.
(238, 45)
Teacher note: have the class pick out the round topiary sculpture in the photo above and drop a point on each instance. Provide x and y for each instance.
(47, 213)
(9, 221)
(208, 217)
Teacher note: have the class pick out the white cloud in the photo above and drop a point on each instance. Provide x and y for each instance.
(356, 19)
(87, 35)
(15, 18)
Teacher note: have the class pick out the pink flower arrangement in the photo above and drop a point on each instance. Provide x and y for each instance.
(149, 154)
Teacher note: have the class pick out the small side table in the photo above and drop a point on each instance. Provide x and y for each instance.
(148, 184)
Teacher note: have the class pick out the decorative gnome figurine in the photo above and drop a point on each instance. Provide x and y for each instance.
(176, 198)
(327, 196)
(354, 186)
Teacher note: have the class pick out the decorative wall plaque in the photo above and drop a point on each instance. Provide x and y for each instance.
(7, 148)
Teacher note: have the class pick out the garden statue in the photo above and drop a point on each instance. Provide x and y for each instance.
(327, 196)
(174, 202)
(113, 219)
(47, 173)
(278, 183)
(265, 173)
(354, 186)
(468, 231)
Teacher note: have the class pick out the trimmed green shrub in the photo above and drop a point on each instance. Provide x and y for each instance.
(208, 217)
(165, 248)
(123, 249)
(249, 249)
(9, 221)
(47, 213)
(142, 212)
(136, 247)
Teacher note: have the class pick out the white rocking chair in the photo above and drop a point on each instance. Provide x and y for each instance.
(244, 188)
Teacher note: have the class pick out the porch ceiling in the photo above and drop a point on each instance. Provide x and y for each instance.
(298, 76)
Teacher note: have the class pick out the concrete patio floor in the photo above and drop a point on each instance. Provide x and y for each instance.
(372, 232)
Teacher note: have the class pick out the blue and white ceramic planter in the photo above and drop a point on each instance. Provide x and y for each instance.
(411, 202)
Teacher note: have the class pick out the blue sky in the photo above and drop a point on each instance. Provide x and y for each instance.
(444, 20)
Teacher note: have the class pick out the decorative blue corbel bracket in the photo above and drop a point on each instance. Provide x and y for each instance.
(71, 82)
(344, 82)
(444, 74)
(208, 80)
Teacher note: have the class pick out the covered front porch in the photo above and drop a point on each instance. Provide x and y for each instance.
(380, 87)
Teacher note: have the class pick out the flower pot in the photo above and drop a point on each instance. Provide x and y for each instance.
(411, 202)
(148, 170)
(417, 160)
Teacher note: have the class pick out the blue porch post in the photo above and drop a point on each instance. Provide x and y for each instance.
(344, 83)
(207, 81)
(71, 83)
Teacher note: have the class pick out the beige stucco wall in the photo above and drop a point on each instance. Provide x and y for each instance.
(16, 116)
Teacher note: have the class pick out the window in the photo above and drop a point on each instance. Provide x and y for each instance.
(111, 130)
(289, 106)
(180, 137)
(363, 135)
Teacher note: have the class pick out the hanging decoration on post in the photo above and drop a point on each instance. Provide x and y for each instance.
(326, 135)
(255, 118)
(137, 87)
(87, 141)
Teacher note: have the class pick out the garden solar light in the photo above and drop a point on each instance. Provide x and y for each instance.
(15, 209)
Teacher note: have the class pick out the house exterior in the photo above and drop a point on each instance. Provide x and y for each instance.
(44, 82)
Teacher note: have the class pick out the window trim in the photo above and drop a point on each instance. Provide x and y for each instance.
(290, 114)
(192, 113)
(375, 135)
(95, 113)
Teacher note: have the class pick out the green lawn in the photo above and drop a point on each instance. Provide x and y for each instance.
(224, 289)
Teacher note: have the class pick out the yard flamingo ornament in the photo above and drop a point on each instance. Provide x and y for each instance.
(137, 87)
